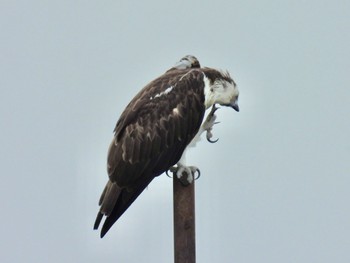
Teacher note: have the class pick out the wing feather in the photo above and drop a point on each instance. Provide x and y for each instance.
(150, 137)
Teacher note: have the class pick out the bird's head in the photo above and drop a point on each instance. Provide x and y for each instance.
(221, 89)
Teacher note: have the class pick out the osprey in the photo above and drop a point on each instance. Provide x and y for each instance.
(155, 129)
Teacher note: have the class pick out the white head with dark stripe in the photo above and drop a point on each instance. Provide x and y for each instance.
(220, 88)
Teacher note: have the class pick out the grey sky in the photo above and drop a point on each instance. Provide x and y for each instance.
(275, 188)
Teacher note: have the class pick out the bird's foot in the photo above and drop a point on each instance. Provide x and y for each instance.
(186, 174)
(209, 124)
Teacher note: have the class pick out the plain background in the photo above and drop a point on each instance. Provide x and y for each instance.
(275, 188)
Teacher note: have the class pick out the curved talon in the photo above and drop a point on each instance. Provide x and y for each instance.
(199, 174)
(172, 169)
(212, 141)
(166, 172)
(211, 119)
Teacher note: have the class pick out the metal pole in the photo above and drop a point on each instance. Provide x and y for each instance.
(184, 222)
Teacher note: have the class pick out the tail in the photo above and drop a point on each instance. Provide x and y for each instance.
(114, 201)
(107, 201)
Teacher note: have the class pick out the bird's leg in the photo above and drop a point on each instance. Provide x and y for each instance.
(186, 174)
(209, 123)
(207, 126)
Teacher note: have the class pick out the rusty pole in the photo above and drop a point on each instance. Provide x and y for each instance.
(184, 222)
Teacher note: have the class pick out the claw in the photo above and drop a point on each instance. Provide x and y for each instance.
(209, 135)
(199, 174)
(166, 172)
(186, 174)
(211, 119)
(212, 141)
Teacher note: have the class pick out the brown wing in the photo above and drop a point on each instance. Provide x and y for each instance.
(150, 137)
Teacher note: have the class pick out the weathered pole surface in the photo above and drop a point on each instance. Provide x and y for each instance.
(184, 222)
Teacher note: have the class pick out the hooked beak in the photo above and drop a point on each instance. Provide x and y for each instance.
(234, 106)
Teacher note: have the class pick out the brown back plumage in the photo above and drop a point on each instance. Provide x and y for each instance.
(150, 137)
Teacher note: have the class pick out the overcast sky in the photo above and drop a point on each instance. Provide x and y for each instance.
(275, 188)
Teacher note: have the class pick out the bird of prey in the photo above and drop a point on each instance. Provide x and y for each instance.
(155, 129)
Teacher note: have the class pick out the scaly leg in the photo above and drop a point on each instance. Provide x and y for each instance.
(186, 174)
(209, 123)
